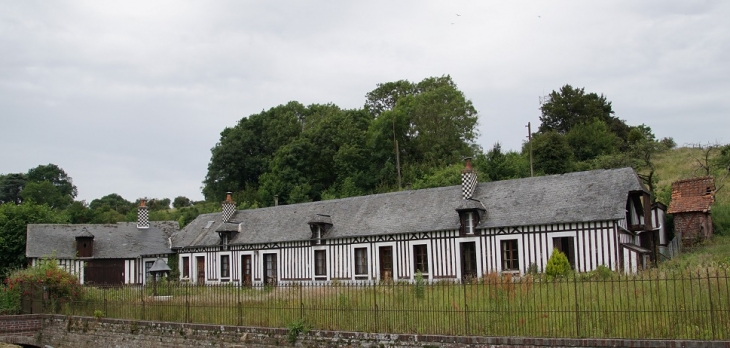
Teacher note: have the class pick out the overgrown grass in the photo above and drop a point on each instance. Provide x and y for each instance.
(662, 303)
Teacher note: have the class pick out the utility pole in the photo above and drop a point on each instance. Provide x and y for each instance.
(397, 154)
(529, 141)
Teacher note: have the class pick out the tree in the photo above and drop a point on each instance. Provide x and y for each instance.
(551, 153)
(44, 192)
(56, 176)
(10, 187)
(244, 152)
(572, 106)
(496, 165)
(110, 208)
(386, 96)
(181, 202)
(13, 221)
(591, 139)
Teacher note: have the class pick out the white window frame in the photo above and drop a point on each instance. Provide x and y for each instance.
(219, 270)
(354, 261)
(469, 228)
(326, 275)
(262, 264)
(520, 252)
(413, 259)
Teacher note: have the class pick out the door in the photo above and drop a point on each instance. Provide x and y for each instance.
(386, 262)
(270, 276)
(566, 246)
(246, 269)
(468, 261)
(104, 272)
(200, 260)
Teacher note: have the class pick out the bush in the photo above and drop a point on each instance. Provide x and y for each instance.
(60, 286)
(9, 301)
(557, 265)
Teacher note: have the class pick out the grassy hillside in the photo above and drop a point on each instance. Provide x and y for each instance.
(681, 163)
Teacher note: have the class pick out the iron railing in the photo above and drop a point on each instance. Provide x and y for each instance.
(654, 304)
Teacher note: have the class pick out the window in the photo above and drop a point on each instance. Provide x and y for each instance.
(420, 258)
(469, 223)
(361, 261)
(186, 267)
(317, 235)
(147, 266)
(225, 266)
(320, 263)
(510, 255)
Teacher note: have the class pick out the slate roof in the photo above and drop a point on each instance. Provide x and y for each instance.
(597, 195)
(692, 195)
(122, 240)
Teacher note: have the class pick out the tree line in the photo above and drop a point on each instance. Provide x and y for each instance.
(412, 135)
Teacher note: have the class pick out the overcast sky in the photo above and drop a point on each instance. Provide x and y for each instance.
(129, 97)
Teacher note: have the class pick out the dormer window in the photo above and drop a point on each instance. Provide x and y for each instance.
(470, 213)
(319, 224)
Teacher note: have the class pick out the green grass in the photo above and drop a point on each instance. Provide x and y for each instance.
(662, 303)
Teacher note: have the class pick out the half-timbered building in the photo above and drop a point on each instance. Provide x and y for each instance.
(120, 253)
(595, 218)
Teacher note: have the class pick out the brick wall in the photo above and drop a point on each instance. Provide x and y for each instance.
(694, 227)
(61, 331)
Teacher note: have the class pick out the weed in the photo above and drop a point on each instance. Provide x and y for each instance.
(295, 328)
(98, 314)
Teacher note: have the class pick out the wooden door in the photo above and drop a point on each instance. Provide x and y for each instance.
(270, 276)
(200, 261)
(104, 272)
(246, 270)
(468, 261)
(385, 254)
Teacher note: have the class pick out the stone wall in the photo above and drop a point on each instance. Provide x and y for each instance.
(61, 331)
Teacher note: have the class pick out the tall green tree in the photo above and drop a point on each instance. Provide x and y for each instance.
(14, 219)
(591, 139)
(56, 176)
(10, 187)
(552, 153)
(570, 106)
(44, 192)
(244, 151)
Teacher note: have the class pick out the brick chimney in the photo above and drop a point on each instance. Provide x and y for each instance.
(143, 216)
(229, 207)
(468, 180)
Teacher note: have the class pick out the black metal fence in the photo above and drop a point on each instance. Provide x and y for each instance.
(657, 304)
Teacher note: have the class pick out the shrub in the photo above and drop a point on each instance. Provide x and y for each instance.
(557, 265)
(419, 288)
(9, 301)
(60, 286)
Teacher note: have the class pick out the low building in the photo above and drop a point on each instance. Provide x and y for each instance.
(691, 207)
(596, 218)
(120, 253)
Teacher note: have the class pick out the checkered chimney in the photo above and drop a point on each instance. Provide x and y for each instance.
(468, 180)
(143, 215)
(229, 208)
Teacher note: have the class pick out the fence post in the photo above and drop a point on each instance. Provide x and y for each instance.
(103, 290)
(577, 307)
(240, 306)
(375, 302)
(187, 302)
(301, 302)
(712, 314)
(466, 307)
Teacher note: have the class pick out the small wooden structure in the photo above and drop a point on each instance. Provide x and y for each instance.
(691, 204)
